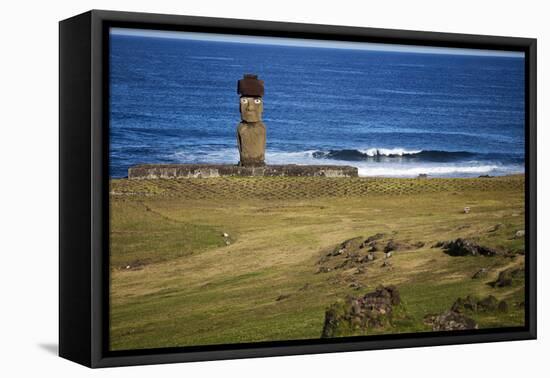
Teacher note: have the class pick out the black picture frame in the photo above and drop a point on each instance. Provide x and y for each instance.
(84, 181)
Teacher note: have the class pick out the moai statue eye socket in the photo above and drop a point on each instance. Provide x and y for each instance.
(257, 100)
(244, 100)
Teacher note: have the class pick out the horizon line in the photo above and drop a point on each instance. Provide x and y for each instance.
(313, 43)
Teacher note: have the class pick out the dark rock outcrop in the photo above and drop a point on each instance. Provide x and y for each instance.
(482, 273)
(465, 247)
(391, 246)
(357, 315)
(495, 228)
(508, 276)
(394, 245)
(373, 238)
(450, 321)
(472, 304)
(358, 252)
(348, 254)
(456, 318)
(465, 304)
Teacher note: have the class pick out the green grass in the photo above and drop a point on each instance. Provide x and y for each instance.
(185, 286)
(141, 235)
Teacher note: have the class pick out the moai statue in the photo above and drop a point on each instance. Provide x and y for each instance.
(251, 135)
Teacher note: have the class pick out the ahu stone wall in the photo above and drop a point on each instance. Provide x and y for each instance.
(157, 171)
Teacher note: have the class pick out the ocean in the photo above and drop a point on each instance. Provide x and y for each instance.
(393, 114)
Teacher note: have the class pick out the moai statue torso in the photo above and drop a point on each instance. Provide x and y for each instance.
(251, 141)
(251, 133)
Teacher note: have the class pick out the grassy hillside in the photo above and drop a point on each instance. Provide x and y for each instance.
(177, 281)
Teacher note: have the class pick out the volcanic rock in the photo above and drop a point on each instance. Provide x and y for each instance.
(356, 315)
(508, 276)
(450, 321)
(464, 247)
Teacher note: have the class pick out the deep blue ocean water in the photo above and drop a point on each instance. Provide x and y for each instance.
(388, 113)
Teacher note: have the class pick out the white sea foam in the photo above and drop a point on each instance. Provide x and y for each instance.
(415, 93)
(413, 171)
(210, 57)
(297, 157)
(218, 156)
(388, 151)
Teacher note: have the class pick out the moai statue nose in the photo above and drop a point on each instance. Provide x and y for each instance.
(251, 133)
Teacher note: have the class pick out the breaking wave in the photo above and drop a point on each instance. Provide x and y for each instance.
(384, 162)
(377, 154)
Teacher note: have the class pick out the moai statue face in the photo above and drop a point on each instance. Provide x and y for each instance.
(251, 108)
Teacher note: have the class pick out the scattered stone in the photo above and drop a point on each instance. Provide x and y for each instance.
(456, 318)
(470, 304)
(503, 279)
(282, 296)
(227, 242)
(482, 273)
(382, 294)
(374, 237)
(344, 264)
(347, 246)
(419, 244)
(352, 244)
(465, 304)
(225, 235)
(387, 264)
(358, 251)
(134, 265)
(464, 247)
(450, 321)
(323, 269)
(351, 253)
(356, 315)
(495, 228)
(356, 285)
(487, 304)
(372, 247)
(360, 260)
(369, 244)
(519, 234)
(360, 270)
(503, 306)
(466, 210)
(508, 276)
(391, 246)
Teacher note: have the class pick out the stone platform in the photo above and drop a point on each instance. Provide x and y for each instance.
(156, 171)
